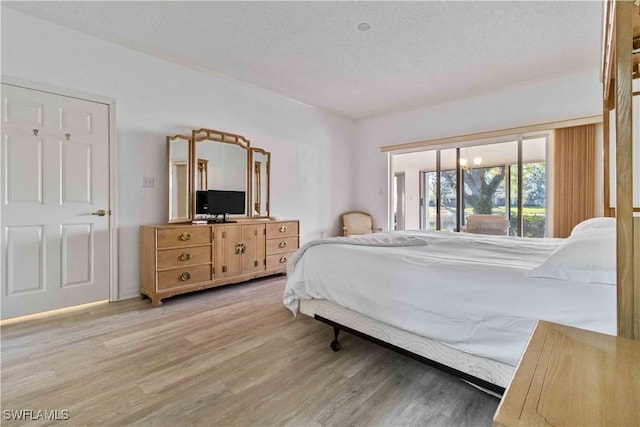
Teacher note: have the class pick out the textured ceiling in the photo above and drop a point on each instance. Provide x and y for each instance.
(415, 53)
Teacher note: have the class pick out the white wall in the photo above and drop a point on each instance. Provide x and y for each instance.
(155, 98)
(564, 97)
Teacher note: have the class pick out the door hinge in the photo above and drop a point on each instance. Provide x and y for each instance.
(224, 268)
(255, 263)
(224, 234)
(255, 232)
(264, 231)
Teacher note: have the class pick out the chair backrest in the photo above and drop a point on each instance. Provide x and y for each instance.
(487, 224)
(356, 222)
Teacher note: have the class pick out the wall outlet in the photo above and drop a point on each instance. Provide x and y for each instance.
(148, 181)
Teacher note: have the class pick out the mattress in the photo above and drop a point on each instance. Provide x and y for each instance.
(465, 291)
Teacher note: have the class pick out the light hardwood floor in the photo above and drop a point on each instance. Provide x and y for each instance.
(228, 356)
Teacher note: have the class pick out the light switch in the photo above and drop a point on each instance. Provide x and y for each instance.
(148, 181)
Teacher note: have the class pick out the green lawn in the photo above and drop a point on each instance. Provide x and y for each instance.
(526, 211)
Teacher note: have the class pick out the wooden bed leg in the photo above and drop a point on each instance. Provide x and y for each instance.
(335, 344)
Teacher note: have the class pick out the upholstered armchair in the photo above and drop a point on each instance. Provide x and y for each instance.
(487, 224)
(356, 222)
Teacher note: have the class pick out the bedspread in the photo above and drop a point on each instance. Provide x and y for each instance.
(467, 291)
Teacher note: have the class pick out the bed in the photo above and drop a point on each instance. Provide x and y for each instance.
(463, 302)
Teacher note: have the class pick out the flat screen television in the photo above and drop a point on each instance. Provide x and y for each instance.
(220, 202)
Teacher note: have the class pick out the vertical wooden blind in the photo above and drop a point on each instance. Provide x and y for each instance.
(573, 177)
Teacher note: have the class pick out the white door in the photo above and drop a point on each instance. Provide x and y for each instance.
(55, 177)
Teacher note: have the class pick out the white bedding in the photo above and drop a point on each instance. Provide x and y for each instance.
(468, 291)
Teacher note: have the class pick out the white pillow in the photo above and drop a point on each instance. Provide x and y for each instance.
(589, 256)
(594, 223)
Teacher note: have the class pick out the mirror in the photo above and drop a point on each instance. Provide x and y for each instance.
(260, 166)
(221, 161)
(179, 148)
(215, 160)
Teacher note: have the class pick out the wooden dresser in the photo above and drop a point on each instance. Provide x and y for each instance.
(176, 259)
(569, 376)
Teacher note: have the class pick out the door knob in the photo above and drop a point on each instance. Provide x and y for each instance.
(101, 212)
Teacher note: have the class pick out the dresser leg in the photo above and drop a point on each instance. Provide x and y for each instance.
(156, 302)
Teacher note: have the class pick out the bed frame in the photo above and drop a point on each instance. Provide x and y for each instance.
(484, 373)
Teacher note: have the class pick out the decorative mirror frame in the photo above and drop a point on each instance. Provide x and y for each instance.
(223, 137)
(188, 188)
(256, 174)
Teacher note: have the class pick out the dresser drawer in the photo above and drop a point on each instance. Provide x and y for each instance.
(183, 276)
(282, 229)
(278, 260)
(170, 258)
(284, 244)
(183, 236)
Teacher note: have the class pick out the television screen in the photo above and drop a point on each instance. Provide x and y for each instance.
(226, 202)
(202, 202)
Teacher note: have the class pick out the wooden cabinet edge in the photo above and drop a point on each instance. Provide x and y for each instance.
(157, 297)
(538, 392)
(525, 366)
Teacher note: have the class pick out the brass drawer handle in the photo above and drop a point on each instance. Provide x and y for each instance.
(185, 236)
(185, 276)
(283, 244)
(283, 260)
(186, 256)
(283, 229)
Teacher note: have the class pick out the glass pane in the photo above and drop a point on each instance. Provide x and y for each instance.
(484, 190)
(534, 187)
(421, 165)
(514, 227)
(448, 190)
(485, 170)
(412, 166)
(430, 197)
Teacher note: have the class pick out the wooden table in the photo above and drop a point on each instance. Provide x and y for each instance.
(570, 376)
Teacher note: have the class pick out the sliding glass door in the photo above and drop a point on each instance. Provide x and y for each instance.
(452, 183)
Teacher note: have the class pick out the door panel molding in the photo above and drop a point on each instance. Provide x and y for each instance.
(76, 270)
(24, 244)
